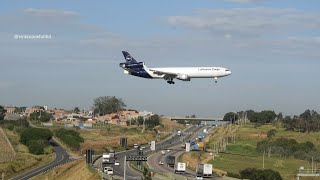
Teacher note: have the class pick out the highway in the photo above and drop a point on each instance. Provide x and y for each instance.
(172, 140)
(153, 161)
(61, 157)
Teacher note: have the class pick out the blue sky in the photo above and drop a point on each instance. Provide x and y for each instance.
(271, 46)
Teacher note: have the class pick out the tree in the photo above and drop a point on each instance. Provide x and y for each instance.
(2, 112)
(231, 116)
(107, 104)
(76, 110)
(279, 116)
(41, 116)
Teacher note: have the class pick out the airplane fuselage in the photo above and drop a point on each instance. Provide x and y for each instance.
(135, 68)
(192, 72)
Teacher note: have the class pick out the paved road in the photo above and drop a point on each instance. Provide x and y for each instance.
(61, 157)
(176, 151)
(132, 174)
(175, 148)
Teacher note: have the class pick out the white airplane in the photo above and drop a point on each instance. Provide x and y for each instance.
(139, 69)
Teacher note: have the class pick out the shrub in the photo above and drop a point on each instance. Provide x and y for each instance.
(258, 174)
(36, 139)
(71, 138)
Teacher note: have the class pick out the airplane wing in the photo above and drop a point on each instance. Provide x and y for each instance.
(167, 75)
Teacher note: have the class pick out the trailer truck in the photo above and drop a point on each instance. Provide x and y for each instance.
(180, 168)
(170, 161)
(204, 170)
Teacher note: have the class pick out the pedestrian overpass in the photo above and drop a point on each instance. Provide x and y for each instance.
(195, 119)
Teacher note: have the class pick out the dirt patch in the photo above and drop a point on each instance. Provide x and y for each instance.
(254, 136)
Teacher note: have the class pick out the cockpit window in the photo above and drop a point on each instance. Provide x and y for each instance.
(227, 70)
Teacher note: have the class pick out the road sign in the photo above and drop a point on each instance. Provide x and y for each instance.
(89, 156)
(153, 145)
(124, 142)
(187, 147)
(137, 158)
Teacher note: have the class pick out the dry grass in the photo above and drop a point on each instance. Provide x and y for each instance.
(73, 170)
(6, 152)
(24, 160)
(193, 158)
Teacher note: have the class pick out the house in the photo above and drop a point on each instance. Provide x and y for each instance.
(10, 109)
(58, 114)
(34, 109)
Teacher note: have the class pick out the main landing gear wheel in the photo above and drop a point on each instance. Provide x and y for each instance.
(216, 79)
(170, 81)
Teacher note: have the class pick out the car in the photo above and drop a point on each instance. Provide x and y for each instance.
(160, 163)
(135, 145)
(163, 152)
(116, 163)
(108, 170)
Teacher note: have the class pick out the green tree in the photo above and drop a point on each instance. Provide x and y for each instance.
(2, 112)
(41, 116)
(36, 139)
(76, 110)
(231, 116)
(279, 116)
(153, 121)
(107, 104)
(70, 137)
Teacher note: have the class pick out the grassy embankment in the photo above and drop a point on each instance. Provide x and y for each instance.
(24, 160)
(73, 170)
(194, 157)
(243, 153)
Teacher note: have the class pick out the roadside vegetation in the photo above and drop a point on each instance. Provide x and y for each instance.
(36, 139)
(73, 170)
(25, 157)
(71, 138)
(270, 142)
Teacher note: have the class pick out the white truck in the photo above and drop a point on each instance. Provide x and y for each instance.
(204, 170)
(106, 157)
(180, 168)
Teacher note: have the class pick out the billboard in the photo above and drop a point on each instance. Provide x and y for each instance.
(153, 145)
(187, 147)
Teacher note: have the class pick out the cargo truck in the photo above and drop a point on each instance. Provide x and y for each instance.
(106, 158)
(204, 170)
(180, 168)
(170, 161)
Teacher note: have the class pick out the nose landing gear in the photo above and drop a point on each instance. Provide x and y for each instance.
(216, 79)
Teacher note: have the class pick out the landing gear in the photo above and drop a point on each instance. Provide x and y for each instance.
(170, 81)
(216, 79)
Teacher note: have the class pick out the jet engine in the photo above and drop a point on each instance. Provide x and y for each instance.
(183, 77)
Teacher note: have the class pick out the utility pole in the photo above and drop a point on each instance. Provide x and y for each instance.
(312, 164)
(125, 166)
(144, 120)
(263, 160)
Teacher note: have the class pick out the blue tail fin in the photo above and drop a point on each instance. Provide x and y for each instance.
(129, 58)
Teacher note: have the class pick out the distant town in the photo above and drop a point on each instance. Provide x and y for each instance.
(74, 118)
